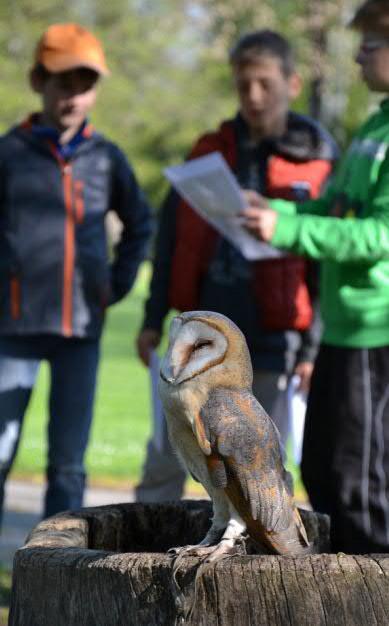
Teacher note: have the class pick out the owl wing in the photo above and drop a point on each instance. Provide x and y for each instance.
(244, 458)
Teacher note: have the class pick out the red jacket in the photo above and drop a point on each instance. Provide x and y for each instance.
(280, 285)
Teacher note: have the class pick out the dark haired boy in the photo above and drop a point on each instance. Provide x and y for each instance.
(345, 463)
(58, 179)
(270, 149)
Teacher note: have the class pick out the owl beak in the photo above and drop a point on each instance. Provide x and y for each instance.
(168, 374)
(171, 366)
(167, 379)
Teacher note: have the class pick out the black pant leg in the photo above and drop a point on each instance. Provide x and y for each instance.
(360, 516)
(319, 432)
(346, 446)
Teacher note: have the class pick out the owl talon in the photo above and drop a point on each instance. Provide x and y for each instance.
(198, 550)
(227, 547)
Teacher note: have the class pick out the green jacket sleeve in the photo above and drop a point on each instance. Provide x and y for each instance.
(312, 207)
(341, 240)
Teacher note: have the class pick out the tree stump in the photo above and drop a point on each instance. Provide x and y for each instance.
(107, 566)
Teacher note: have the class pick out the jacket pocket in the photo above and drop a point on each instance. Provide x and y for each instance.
(15, 297)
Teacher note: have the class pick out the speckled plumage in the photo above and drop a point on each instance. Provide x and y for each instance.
(225, 438)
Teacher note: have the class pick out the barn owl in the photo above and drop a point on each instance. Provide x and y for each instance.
(225, 438)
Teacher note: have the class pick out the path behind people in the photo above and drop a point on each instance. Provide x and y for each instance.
(23, 505)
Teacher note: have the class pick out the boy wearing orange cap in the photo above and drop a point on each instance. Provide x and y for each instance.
(59, 178)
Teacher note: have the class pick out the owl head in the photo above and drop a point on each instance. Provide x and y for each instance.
(207, 347)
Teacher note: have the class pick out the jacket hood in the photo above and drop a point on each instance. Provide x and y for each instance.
(304, 139)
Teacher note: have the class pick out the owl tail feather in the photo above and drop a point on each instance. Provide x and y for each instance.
(293, 541)
(300, 526)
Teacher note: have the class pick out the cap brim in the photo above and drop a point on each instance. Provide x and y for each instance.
(64, 62)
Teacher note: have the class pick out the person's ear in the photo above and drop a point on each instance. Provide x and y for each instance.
(36, 81)
(295, 85)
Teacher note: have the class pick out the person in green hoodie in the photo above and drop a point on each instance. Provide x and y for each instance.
(345, 466)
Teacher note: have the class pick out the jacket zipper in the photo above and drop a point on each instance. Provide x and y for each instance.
(69, 242)
(69, 251)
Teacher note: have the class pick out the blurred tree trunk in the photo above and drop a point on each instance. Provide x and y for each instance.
(318, 38)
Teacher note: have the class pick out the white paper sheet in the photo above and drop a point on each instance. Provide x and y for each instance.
(210, 187)
(159, 425)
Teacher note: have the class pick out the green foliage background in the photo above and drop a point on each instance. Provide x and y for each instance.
(170, 80)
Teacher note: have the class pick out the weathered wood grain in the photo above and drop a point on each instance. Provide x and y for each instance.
(107, 566)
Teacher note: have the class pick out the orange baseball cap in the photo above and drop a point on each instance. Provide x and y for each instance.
(64, 47)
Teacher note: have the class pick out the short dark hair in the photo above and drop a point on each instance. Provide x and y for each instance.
(372, 15)
(263, 42)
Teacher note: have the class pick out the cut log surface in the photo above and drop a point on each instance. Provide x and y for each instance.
(107, 566)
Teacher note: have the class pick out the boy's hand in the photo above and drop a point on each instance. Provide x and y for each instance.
(148, 339)
(254, 199)
(304, 371)
(259, 219)
(260, 222)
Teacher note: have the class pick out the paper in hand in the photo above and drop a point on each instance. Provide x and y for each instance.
(209, 186)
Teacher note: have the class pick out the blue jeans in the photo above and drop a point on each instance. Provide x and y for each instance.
(73, 367)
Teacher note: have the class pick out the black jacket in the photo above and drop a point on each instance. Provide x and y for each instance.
(55, 272)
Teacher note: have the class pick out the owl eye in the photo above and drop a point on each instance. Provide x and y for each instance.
(202, 344)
